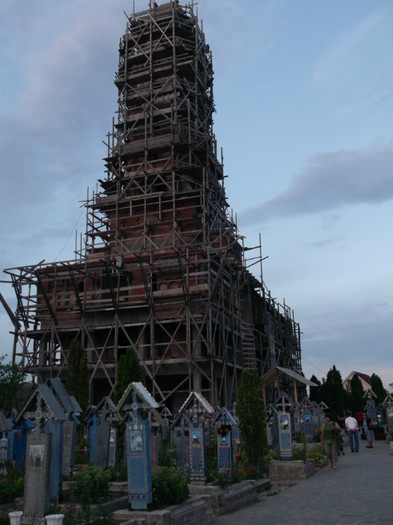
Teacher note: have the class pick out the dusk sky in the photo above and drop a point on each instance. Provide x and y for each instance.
(304, 99)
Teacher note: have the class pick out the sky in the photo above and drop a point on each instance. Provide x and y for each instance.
(304, 114)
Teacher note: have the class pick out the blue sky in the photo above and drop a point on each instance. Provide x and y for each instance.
(304, 99)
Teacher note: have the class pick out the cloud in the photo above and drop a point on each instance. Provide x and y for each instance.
(56, 120)
(330, 181)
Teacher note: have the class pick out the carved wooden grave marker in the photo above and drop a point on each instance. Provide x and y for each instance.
(138, 444)
(199, 413)
(44, 452)
(284, 427)
(224, 422)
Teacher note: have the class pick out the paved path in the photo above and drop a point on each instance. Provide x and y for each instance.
(359, 492)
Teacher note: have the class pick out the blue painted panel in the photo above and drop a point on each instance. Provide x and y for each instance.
(197, 455)
(285, 435)
(11, 445)
(93, 428)
(138, 464)
(55, 428)
(112, 455)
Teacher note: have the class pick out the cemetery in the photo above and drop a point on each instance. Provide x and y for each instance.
(135, 460)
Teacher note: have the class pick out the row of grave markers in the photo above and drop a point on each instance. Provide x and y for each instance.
(50, 417)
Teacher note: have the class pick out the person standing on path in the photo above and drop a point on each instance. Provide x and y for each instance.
(368, 430)
(330, 432)
(353, 431)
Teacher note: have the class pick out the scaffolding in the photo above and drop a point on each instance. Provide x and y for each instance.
(162, 267)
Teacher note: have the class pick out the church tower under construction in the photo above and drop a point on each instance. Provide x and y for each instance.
(162, 267)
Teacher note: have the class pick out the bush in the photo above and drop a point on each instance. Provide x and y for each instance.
(318, 453)
(81, 458)
(166, 457)
(236, 474)
(9, 490)
(74, 515)
(270, 456)
(211, 459)
(169, 487)
(91, 485)
(300, 454)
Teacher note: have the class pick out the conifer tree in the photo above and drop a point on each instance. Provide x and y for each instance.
(11, 379)
(356, 396)
(77, 376)
(129, 370)
(333, 391)
(378, 389)
(251, 412)
(315, 391)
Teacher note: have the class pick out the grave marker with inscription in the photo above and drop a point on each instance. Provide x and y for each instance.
(71, 410)
(224, 422)
(44, 452)
(136, 401)
(284, 427)
(198, 411)
(103, 435)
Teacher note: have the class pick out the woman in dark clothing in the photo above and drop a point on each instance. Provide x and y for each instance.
(368, 430)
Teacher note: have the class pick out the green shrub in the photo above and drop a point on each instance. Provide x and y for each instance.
(81, 458)
(270, 456)
(74, 515)
(91, 485)
(9, 490)
(211, 459)
(236, 474)
(169, 487)
(166, 457)
(4, 519)
(224, 478)
(300, 454)
(317, 453)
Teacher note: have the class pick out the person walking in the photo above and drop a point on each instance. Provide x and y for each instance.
(330, 432)
(353, 431)
(368, 430)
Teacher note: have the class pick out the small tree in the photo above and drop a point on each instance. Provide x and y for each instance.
(356, 396)
(129, 369)
(315, 391)
(378, 388)
(251, 412)
(333, 393)
(77, 377)
(11, 379)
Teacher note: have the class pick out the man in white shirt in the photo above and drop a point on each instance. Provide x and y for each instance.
(353, 431)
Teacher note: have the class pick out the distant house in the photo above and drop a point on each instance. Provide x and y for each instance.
(364, 379)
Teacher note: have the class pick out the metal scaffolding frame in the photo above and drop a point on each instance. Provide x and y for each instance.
(161, 267)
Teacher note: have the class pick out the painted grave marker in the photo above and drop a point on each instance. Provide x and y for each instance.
(198, 412)
(44, 455)
(224, 423)
(138, 444)
(284, 427)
